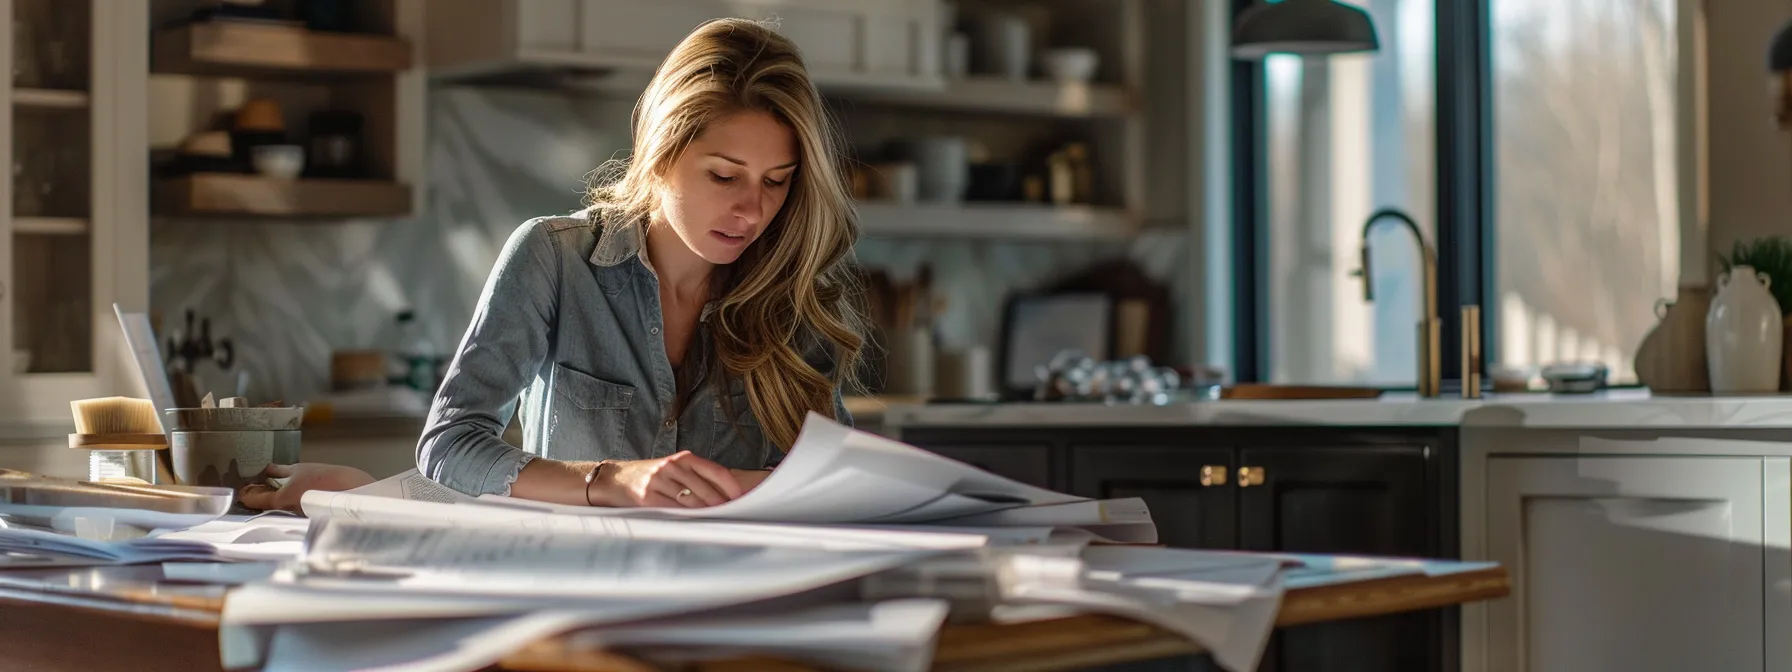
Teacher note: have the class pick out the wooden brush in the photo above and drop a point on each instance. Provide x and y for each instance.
(116, 423)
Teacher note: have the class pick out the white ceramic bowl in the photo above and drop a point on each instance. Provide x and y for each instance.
(1070, 65)
(278, 161)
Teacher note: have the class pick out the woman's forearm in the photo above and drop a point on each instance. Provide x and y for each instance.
(554, 481)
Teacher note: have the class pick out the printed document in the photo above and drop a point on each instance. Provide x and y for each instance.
(530, 515)
(836, 474)
(516, 562)
(892, 636)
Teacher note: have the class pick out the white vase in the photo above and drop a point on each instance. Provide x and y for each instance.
(1743, 334)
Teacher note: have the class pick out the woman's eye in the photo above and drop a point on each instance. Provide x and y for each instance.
(775, 183)
(720, 179)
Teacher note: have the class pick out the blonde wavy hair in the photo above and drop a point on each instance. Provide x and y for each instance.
(793, 291)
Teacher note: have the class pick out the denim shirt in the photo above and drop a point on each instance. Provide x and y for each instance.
(568, 325)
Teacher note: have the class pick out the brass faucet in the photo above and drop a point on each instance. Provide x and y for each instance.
(1430, 366)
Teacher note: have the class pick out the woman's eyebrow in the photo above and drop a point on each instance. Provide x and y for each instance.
(741, 163)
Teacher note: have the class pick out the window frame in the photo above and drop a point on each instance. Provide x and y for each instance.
(1464, 168)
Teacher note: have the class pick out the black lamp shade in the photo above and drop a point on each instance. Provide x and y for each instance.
(1779, 52)
(1303, 27)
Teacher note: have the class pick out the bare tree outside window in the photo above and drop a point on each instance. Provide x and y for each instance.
(1586, 189)
(1348, 135)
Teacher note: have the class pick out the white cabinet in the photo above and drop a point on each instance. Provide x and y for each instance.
(1636, 563)
(845, 42)
(74, 217)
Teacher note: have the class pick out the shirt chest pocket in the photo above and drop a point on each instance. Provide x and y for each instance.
(589, 417)
(743, 444)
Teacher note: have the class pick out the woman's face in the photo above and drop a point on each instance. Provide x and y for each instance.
(729, 184)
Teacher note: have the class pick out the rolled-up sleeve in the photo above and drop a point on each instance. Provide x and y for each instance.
(462, 445)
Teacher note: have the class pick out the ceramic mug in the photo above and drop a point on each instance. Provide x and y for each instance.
(1005, 45)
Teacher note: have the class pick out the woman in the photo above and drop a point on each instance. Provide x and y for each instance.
(668, 341)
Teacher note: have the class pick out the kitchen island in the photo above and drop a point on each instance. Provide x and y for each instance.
(1641, 531)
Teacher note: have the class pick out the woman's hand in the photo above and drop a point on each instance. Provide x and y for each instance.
(749, 478)
(665, 482)
(300, 478)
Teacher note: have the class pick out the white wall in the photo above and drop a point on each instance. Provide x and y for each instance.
(1750, 160)
(48, 457)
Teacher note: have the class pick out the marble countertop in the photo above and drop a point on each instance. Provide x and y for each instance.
(1612, 409)
(1626, 409)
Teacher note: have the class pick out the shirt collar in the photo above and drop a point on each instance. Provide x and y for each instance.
(619, 241)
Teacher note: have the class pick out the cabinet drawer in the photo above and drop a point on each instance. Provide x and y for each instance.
(1627, 563)
(828, 38)
(647, 30)
(1189, 490)
(547, 25)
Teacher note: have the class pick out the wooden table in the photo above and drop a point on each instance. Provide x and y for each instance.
(128, 618)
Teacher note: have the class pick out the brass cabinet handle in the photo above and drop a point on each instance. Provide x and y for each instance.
(1249, 476)
(1212, 475)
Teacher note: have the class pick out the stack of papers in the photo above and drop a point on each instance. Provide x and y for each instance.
(850, 555)
(229, 538)
(1312, 571)
(1226, 602)
(426, 565)
(28, 547)
(837, 475)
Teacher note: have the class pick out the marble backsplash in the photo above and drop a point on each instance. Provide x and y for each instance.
(288, 294)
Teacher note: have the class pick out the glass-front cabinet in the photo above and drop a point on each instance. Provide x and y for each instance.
(75, 237)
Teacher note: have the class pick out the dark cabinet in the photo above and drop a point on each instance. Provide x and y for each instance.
(1364, 500)
(1334, 499)
(1387, 492)
(1186, 489)
(1028, 463)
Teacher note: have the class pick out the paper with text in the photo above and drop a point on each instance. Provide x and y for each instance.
(515, 562)
(531, 515)
(894, 636)
(836, 474)
(1226, 602)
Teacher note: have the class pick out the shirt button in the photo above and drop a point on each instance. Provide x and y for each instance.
(670, 423)
(654, 330)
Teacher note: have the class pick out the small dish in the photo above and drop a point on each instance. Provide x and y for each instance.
(1575, 378)
(283, 162)
(1070, 65)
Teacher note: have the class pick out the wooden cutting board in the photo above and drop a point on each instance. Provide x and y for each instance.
(1259, 391)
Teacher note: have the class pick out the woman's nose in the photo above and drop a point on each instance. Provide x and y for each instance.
(750, 206)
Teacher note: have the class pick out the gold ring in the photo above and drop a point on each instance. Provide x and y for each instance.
(684, 493)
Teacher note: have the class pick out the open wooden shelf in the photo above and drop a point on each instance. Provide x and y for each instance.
(245, 49)
(993, 94)
(1006, 221)
(237, 194)
(49, 226)
(58, 99)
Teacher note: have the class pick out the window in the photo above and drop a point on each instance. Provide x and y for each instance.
(1585, 185)
(1538, 140)
(1348, 135)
